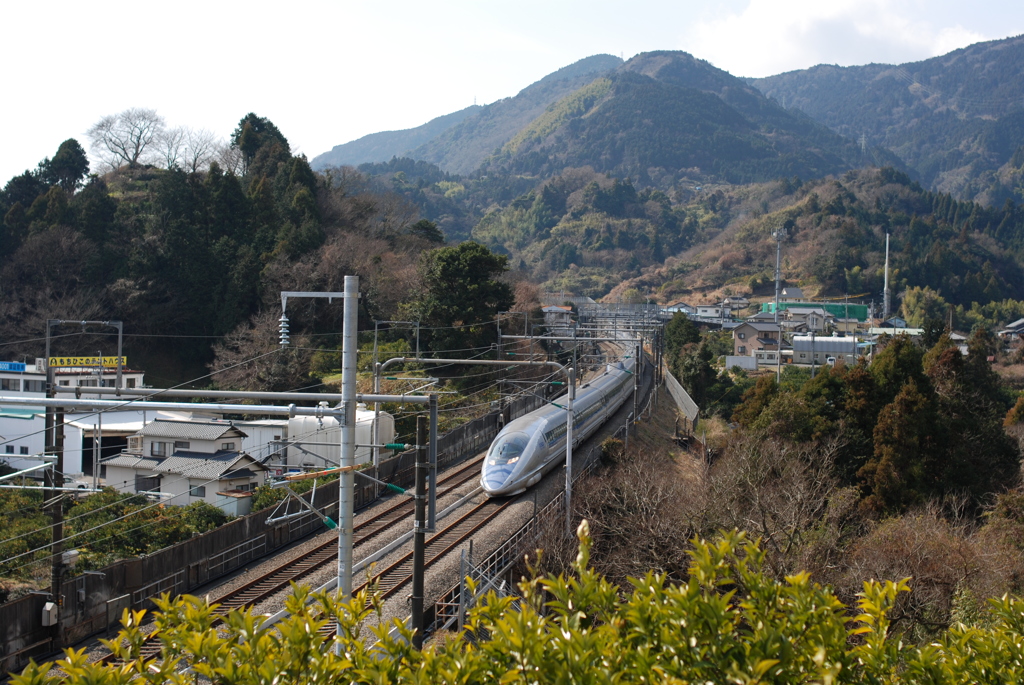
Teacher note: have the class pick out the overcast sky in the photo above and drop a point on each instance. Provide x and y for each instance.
(329, 72)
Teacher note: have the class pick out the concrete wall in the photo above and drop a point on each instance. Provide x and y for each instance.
(744, 362)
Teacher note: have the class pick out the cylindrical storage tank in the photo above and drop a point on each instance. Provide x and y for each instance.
(364, 433)
(315, 443)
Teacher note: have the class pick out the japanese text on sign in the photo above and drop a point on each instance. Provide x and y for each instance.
(63, 362)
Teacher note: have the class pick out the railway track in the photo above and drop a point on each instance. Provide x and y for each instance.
(393, 578)
(280, 578)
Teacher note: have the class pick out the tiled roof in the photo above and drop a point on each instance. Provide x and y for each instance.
(190, 430)
(132, 461)
(761, 327)
(200, 464)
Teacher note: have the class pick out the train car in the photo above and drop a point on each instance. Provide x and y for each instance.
(531, 445)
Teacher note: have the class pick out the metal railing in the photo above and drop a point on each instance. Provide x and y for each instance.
(234, 557)
(168, 584)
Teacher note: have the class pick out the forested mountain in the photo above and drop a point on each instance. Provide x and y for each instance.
(956, 120)
(660, 118)
(460, 141)
(666, 116)
(380, 147)
(942, 250)
(463, 148)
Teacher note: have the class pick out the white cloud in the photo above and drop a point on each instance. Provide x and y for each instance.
(772, 36)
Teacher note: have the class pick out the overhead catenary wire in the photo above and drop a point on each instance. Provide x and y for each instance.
(183, 477)
(128, 403)
(119, 490)
(141, 400)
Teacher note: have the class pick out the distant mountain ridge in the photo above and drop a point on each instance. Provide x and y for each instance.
(382, 146)
(666, 115)
(659, 117)
(459, 142)
(956, 120)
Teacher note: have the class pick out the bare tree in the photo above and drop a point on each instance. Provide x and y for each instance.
(201, 147)
(229, 157)
(170, 143)
(249, 358)
(126, 137)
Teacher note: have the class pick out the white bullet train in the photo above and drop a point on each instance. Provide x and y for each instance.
(531, 445)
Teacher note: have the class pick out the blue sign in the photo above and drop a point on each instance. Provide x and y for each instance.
(17, 367)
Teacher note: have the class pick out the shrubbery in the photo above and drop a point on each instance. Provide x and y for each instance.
(730, 622)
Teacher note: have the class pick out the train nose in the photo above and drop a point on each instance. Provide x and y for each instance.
(495, 477)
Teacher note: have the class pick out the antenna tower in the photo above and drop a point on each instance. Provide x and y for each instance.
(885, 291)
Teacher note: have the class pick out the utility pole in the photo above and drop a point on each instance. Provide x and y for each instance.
(54, 477)
(813, 358)
(53, 429)
(568, 453)
(885, 293)
(419, 532)
(779, 234)
(637, 369)
(346, 484)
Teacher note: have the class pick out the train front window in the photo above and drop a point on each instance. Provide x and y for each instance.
(508, 448)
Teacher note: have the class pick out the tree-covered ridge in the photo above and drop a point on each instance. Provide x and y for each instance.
(965, 251)
(585, 232)
(956, 120)
(462, 148)
(193, 261)
(660, 124)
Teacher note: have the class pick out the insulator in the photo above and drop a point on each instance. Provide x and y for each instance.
(283, 328)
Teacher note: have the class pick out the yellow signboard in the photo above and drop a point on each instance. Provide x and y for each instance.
(93, 362)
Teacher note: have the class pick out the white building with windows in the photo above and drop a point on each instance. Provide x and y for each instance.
(21, 427)
(21, 379)
(824, 349)
(713, 311)
(189, 461)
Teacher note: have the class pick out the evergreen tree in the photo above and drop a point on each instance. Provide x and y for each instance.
(67, 169)
(908, 436)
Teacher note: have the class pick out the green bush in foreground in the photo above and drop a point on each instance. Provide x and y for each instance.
(730, 623)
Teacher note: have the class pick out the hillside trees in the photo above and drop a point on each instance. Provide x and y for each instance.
(912, 426)
(67, 169)
(194, 250)
(462, 291)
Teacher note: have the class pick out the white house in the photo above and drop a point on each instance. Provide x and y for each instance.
(1013, 330)
(680, 307)
(188, 461)
(735, 302)
(712, 311)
